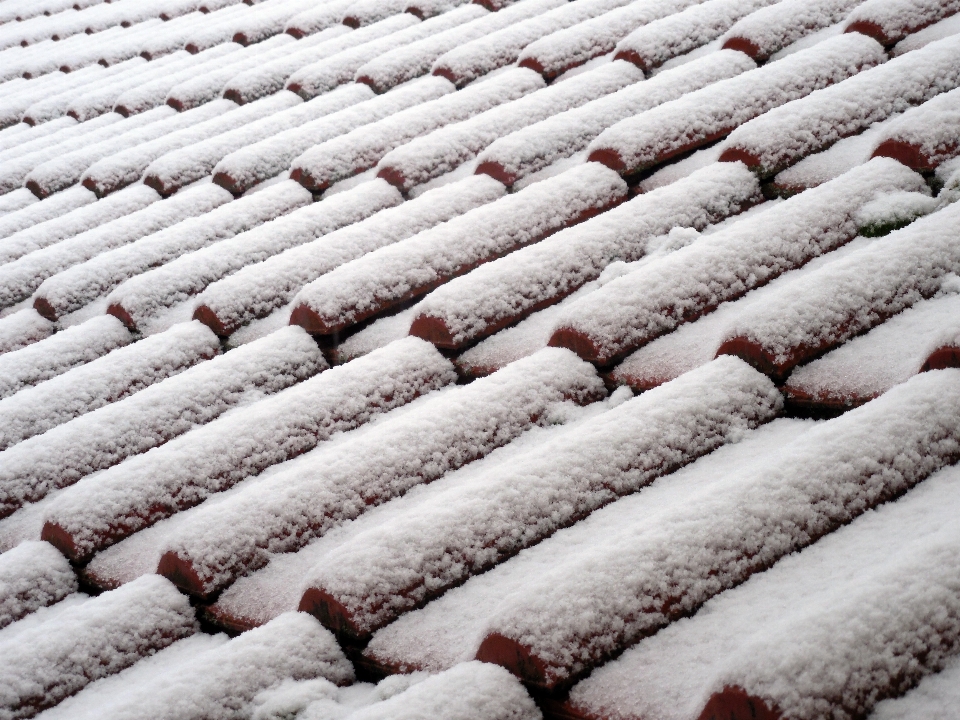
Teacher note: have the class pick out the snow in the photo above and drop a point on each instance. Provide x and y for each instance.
(946, 27)
(892, 20)
(179, 168)
(554, 54)
(22, 328)
(106, 508)
(127, 166)
(60, 352)
(49, 208)
(320, 77)
(56, 105)
(90, 133)
(538, 145)
(635, 582)
(320, 17)
(444, 149)
(510, 288)
(765, 32)
(32, 575)
(365, 12)
(73, 288)
(670, 676)
(154, 93)
(854, 294)
(696, 343)
(217, 680)
(16, 200)
(413, 59)
(146, 295)
(347, 155)
(924, 136)
(654, 299)
(393, 274)
(475, 58)
(45, 664)
(71, 224)
(891, 353)
(786, 134)
(199, 88)
(14, 137)
(396, 567)
(469, 691)
(36, 467)
(51, 171)
(831, 163)
(440, 434)
(258, 289)
(242, 169)
(270, 77)
(450, 629)
(710, 113)
(102, 381)
(935, 696)
(18, 279)
(653, 43)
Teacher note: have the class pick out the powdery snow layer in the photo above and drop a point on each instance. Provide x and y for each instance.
(67, 151)
(496, 295)
(450, 629)
(23, 328)
(396, 273)
(473, 59)
(43, 665)
(573, 46)
(654, 299)
(128, 166)
(848, 297)
(323, 76)
(36, 467)
(319, 17)
(61, 352)
(144, 296)
(536, 146)
(267, 78)
(935, 696)
(703, 116)
(469, 691)
(73, 223)
(199, 88)
(831, 163)
(287, 509)
(652, 44)
(16, 200)
(18, 279)
(892, 20)
(47, 209)
(694, 344)
(242, 169)
(69, 165)
(763, 33)
(179, 168)
(891, 353)
(102, 381)
(474, 525)
(414, 59)
(73, 288)
(671, 675)
(924, 136)
(445, 149)
(786, 134)
(32, 575)
(573, 618)
(345, 156)
(259, 289)
(220, 679)
(185, 471)
(946, 27)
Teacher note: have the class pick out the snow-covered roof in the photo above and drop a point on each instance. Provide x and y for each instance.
(490, 360)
